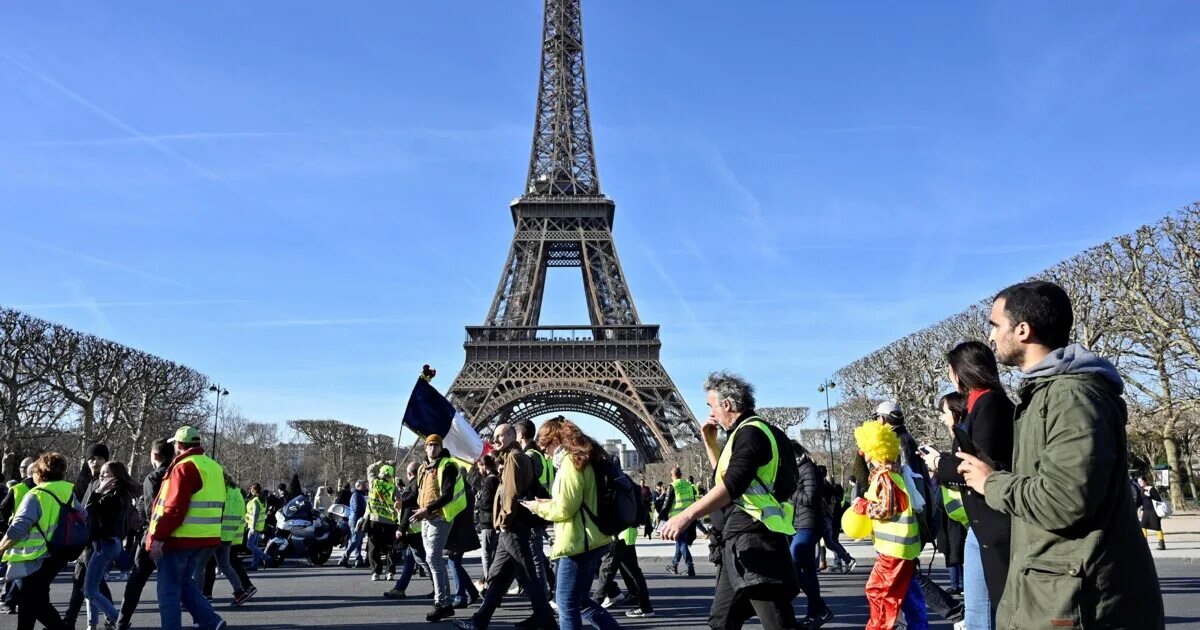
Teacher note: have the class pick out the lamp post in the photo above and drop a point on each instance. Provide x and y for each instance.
(219, 391)
(824, 388)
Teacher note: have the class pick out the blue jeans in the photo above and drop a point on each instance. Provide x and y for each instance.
(956, 576)
(977, 605)
(804, 556)
(913, 605)
(354, 546)
(176, 585)
(574, 595)
(256, 553)
(464, 589)
(683, 551)
(412, 555)
(104, 553)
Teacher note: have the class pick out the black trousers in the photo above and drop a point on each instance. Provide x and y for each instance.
(732, 606)
(235, 559)
(76, 601)
(623, 558)
(143, 567)
(545, 569)
(33, 598)
(514, 559)
(380, 538)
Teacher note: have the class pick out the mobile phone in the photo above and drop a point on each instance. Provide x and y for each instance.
(924, 448)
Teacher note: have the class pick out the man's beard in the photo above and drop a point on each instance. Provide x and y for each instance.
(1012, 358)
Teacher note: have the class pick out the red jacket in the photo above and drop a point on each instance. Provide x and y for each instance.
(182, 481)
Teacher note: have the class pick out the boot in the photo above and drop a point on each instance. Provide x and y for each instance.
(691, 571)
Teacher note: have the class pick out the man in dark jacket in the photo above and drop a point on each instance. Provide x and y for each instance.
(161, 453)
(97, 457)
(356, 508)
(489, 483)
(1078, 558)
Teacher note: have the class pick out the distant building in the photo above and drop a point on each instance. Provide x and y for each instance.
(292, 453)
(629, 458)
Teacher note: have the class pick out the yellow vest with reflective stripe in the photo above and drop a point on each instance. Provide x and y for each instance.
(758, 502)
(899, 537)
(546, 477)
(233, 519)
(381, 503)
(685, 495)
(33, 546)
(458, 502)
(205, 510)
(19, 492)
(954, 505)
(257, 510)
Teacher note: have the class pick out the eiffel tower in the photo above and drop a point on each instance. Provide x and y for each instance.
(609, 368)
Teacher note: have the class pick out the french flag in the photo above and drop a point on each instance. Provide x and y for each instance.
(429, 413)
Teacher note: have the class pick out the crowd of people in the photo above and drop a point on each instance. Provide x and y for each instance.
(1030, 504)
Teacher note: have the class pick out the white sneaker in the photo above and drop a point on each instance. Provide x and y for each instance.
(375, 577)
(391, 576)
(962, 625)
(621, 598)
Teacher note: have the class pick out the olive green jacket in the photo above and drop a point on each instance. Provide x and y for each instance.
(1078, 558)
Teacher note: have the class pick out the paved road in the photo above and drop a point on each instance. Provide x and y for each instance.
(298, 596)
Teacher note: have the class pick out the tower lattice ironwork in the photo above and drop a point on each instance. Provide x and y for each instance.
(517, 368)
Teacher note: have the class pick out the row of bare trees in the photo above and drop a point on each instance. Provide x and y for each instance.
(1137, 303)
(63, 389)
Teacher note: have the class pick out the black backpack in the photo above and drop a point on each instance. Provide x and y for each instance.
(618, 499)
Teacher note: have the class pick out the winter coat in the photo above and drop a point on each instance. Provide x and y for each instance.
(809, 496)
(1150, 519)
(1078, 557)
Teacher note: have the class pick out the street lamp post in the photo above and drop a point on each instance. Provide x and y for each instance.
(824, 388)
(219, 391)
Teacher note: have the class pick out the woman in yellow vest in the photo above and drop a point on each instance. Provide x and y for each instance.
(25, 546)
(896, 536)
(578, 543)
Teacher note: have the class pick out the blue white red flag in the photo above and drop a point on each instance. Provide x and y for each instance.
(429, 413)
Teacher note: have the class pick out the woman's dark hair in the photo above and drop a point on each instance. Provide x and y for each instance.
(956, 403)
(975, 366)
(1045, 306)
(121, 474)
(489, 463)
(49, 467)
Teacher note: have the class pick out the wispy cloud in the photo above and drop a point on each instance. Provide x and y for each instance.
(194, 136)
(103, 262)
(750, 206)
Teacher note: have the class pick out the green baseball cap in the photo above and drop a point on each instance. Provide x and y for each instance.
(186, 434)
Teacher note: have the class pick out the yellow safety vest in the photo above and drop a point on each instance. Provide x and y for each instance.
(899, 537)
(19, 492)
(458, 501)
(205, 510)
(758, 501)
(685, 495)
(33, 546)
(954, 505)
(257, 511)
(381, 503)
(233, 519)
(546, 477)
(629, 536)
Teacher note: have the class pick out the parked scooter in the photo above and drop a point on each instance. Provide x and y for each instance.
(302, 532)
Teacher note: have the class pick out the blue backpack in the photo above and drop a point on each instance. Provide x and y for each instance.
(71, 534)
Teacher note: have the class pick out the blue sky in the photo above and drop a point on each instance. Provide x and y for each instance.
(307, 202)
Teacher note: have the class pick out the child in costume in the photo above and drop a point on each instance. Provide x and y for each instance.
(895, 533)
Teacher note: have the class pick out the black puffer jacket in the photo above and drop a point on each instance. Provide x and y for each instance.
(809, 496)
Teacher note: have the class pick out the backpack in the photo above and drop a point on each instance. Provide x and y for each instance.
(71, 534)
(621, 498)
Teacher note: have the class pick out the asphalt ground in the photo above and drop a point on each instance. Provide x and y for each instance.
(302, 597)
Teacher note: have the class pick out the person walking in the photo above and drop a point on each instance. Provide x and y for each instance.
(414, 548)
(543, 474)
(831, 526)
(622, 556)
(514, 525)
(750, 500)
(233, 531)
(681, 494)
(579, 544)
(952, 533)
(484, 517)
(323, 500)
(356, 509)
(989, 425)
(462, 540)
(808, 521)
(256, 523)
(8, 511)
(161, 453)
(25, 546)
(185, 527)
(1077, 556)
(442, 496)
(648, 500)
(85, 485)
(1146, 498)
(109, 508)
(381, 523)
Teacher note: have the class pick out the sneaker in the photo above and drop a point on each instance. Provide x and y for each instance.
(110, 624)
(515, 589)
(639, 613)
(817, 622)
(244, 596)
(375, 577)
(961, 625)
(394, 594)
(609, 602)
(391, 576)
(672, 569)
(849, 566)
(439, 613)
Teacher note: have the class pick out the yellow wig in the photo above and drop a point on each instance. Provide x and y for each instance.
(878, 442)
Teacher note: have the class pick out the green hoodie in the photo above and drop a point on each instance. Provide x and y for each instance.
(1078, 557)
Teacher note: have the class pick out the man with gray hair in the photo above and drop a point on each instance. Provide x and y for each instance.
(755, 477)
